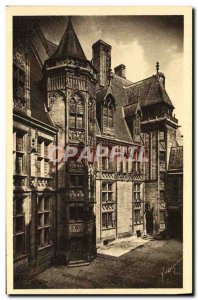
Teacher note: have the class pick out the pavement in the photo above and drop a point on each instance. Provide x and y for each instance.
(140, 267)
(122, 246)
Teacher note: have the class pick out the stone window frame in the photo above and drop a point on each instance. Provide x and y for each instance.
(77, 111)
(19, 152)
(19, 229)
(42, 157)
(108, 113)
(44, 221)
(108, 216)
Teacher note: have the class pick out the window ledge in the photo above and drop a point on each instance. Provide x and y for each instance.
(20, 257)
(110, 228)
(21, 175)
(45, 247)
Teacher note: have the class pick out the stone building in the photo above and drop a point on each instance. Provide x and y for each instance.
(174, 192)
(64, 210)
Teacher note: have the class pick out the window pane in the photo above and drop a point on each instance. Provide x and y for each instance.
(19, 206)
(137, 216)
(138, 167)
(80, 108)
(79, 122)
(110, 186)
(72, 121)
(46, 150)
(46, 204)
(162, 135)
(46, 236)
(110, 197)
(105, 111)
(73, 180)
(79, 180)
(80, 213)
(110, 220)
(110, 164)
(40, 204)
(39, 167)
(162, 156)
(104, 186)
(20, 224)
(20, 244)
(40, 238)
(46, 168)
(19, 164)
(104, 220)
(39, 148)
(110, 121)
(104, 197)
(105, 121)
(72, 105)
(161, 195)
(110, 111)
(19, 142)
(40, 220)
(47, 219)
(72, 213)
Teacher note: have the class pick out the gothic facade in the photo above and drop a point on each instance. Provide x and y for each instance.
(64, 210)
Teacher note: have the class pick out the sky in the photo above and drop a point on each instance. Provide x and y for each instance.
(138, 42)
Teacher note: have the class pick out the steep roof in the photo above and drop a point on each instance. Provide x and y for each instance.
(148, 91)
(176, 158)
(132, 109)
(51, 46)
(69, 45)
(38, 110)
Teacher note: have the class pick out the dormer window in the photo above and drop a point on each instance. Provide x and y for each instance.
(76, 112)
(108, 113)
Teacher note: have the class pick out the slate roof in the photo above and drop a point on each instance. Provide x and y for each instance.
(69, 45)
(52, 47)
(176, 158)
(38, 110)
(131, 109)
(148, 91)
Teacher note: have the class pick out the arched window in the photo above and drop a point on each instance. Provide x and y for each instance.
(108, 112)
(76, 112)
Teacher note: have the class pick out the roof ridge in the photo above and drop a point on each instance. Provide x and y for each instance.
(51, 42)
(138, 82)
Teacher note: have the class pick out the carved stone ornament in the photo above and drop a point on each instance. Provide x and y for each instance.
(76, 136)
(19, 58)
(53, 96)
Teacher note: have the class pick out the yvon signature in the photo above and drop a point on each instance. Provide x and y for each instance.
(172, 270)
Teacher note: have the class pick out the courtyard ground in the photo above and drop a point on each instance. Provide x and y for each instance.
(141, 267)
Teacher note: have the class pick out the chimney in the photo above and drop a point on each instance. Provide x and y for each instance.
(162, 78)
(102, 61)
(160, 74)
(120, 71)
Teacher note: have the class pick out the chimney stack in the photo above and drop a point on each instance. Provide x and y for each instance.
(120, 71)
(102, 61)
